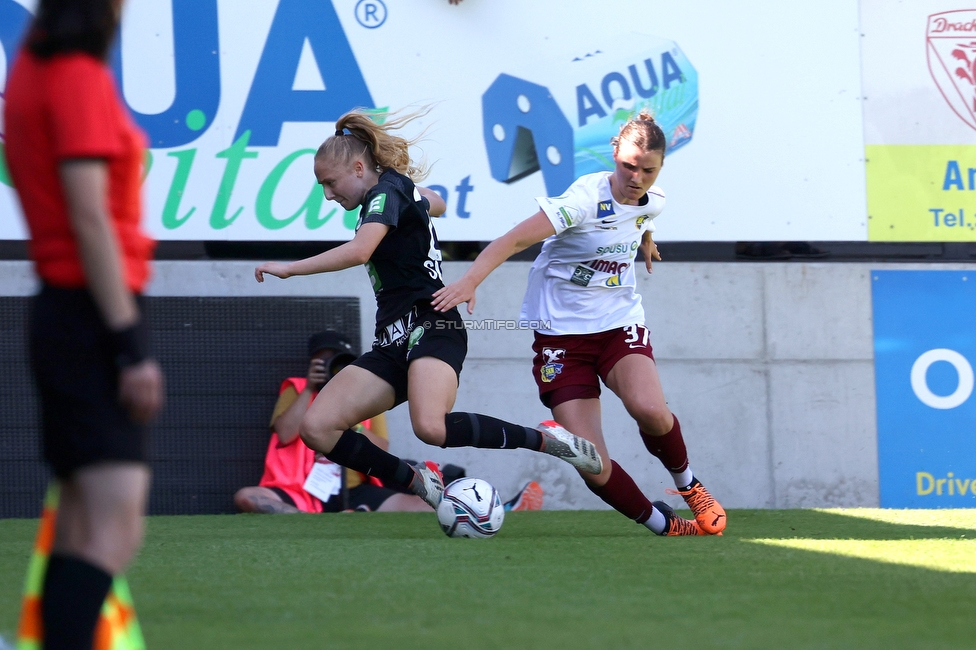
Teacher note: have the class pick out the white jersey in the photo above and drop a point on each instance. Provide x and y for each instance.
(583, 281)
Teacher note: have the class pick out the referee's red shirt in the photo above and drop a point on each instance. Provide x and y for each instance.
(62, 108)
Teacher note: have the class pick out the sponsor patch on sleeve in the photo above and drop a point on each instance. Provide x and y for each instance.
(377, 204)
(565, 217)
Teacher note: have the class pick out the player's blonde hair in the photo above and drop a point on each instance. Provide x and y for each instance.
(369, 134)
(642, 131)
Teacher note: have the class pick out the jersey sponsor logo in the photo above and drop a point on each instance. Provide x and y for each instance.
(613, 281)
(608, 266)
(551, 367)
(582, 276)
(641, 220)
(396, 332)
(617, 248)
(415, 337)
(604, 209)
(377, 204)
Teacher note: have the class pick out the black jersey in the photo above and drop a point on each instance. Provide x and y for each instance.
(406, 267)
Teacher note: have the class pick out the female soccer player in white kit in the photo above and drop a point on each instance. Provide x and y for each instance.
(583, 285)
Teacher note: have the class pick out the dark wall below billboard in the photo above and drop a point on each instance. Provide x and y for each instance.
(224, 359)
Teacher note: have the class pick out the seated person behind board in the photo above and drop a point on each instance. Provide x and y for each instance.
(288, 461)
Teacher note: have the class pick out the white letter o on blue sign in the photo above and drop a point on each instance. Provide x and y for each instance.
(921, 386)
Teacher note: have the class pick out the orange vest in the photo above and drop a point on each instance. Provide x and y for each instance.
(287, 466)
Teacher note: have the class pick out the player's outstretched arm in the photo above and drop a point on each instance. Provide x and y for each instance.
(532, 230)
(649, 249)
(353, 253)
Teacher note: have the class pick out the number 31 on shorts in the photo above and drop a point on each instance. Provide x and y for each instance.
(637, 333)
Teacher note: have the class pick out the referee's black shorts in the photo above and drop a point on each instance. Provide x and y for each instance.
(82, 420)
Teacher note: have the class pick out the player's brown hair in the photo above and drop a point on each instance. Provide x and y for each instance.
(642, 131)
(369, 134)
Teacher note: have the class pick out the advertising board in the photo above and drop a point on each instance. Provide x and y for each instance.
(236, 95)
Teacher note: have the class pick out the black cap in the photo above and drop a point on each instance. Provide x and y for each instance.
(330, 340)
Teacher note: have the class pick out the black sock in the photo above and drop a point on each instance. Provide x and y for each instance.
(355, 451)
(485, 432)
(74, 592)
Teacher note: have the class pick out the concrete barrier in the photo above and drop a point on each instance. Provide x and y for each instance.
(768, 365)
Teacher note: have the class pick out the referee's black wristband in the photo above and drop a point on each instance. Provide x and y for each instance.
(131, 345)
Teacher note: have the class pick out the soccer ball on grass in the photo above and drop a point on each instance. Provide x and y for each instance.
(472, 508)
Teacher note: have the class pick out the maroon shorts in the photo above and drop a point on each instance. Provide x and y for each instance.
(571, 366)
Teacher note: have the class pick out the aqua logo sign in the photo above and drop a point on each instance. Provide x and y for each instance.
(924, 351)
(224, 150)
(196, 62)
(563, 128)
(271, 101)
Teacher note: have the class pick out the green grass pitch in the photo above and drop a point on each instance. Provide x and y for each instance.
(551, 579)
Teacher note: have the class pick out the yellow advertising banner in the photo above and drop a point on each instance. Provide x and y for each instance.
(919, 80)
(921, 192)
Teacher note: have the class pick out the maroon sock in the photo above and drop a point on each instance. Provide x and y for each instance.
(623, 495)
(669, 448)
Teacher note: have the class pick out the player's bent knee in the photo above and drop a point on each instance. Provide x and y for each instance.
(317, 437)
(431, 431)
(597, 480)
(655, 422)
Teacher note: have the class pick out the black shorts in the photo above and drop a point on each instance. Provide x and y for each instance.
(284, 496)
(365, 496)
(81, 419)
(421, 332)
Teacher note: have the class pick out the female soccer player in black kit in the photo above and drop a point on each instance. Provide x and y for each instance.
(418, 352)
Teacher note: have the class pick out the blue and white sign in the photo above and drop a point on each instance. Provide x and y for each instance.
(924, 353)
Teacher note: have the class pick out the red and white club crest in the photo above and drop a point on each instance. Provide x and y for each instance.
(951, 50)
